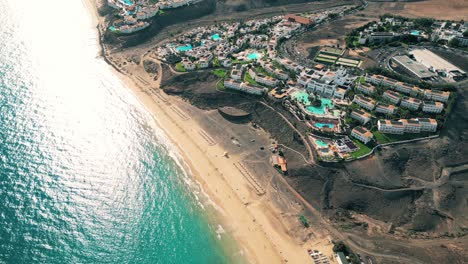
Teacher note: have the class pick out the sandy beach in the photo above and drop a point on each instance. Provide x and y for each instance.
(253, 223)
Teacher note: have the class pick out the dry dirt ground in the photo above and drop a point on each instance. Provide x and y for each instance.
(449, 9)
(334, 33)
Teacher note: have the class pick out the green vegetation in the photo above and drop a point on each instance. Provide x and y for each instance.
(220, 85)
(161, 12)
(249, 79)
(216, 62)
(341, 247)
(259, 69)
(381, 138)
(180, 67)
(220, 73)
(324, 60)
(363, 149)
(304, 221)
(361, 79)
(388, 138)
(455, 42)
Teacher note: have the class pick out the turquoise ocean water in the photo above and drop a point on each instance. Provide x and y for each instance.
(85, 174)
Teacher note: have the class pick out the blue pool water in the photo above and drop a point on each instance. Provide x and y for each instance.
(253, 56)
(415, 32)
(303, 97)
(184, 48)
(321, 143)
(127, 2)
(112, 28)
(322, 125)
(215, 37)
(321, 109)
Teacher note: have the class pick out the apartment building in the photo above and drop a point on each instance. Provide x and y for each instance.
(437, 95)
(361, 116)
(411, 125)
(339, 93)
(364, 102)
(403, 87)
(381, 37)
(203, 63)
(237, 72)
(188, 64)
(365, 88)
(393, 97)
(384, 108)
(266, 80)
(362, 134)
(243, 87)
(428, 124)
(410, 103)
(433, 107)
(390, 127)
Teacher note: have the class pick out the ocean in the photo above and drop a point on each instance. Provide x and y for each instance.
(86, 175)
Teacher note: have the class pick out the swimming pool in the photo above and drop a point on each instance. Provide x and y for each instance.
(320, 143)
(184, 48)
(253, 56)
(112, 28)
(303, 98)
(320, 110)
(215, 37)
(127, 2)
(322, 125)
(415, 32)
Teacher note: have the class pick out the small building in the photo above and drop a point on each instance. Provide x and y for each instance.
(428, 124)
(390, 127)
(436, 95)
(410, 103)
(345, 145)
(365, 88)
(362, 134)
(411, 125)
(339, 93)
(243, 87)
(393, 97)
(379, 37)
(361, 115)
(364, 102)
(386, 109)
(433, 107)
(279, 162)
(202, 64)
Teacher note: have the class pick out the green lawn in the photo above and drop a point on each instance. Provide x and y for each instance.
(388, 138)
(249, 79)
(220, 85)
(381, 138)
(262, 71)
(361, 79)
(216, 62)
(180, 67)
(220, 73)
(363, 149)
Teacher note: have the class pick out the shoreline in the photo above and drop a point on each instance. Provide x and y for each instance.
(251, 229)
